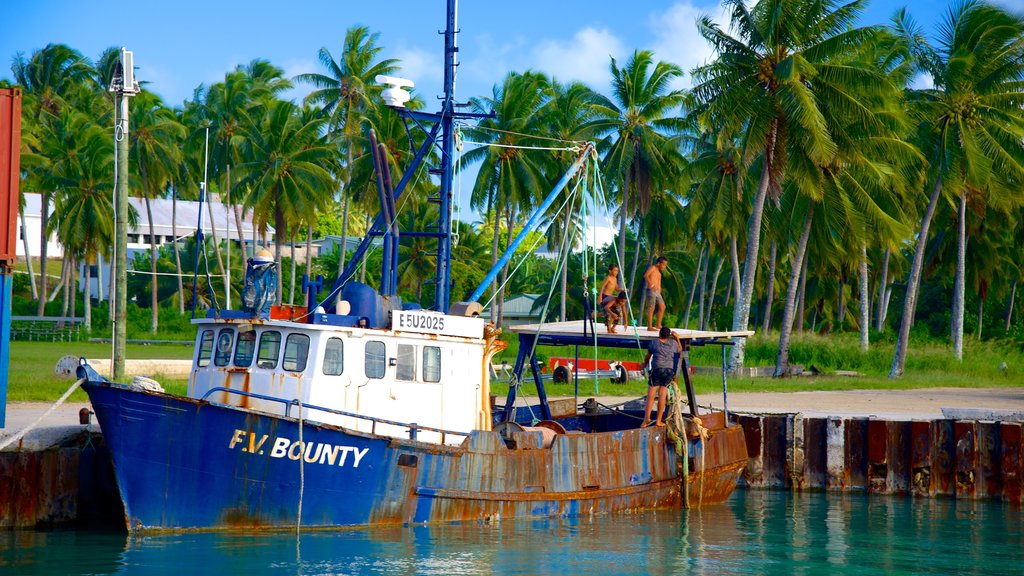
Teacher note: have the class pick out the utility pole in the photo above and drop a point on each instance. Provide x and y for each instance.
(123, 85)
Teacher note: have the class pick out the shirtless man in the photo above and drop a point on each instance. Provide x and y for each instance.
(606, 297)
(653, 292)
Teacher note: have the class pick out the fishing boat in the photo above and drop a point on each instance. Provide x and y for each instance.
(362, 409)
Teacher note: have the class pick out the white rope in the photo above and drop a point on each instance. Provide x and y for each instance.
(302, 473)
(26, 430)
(520, 147)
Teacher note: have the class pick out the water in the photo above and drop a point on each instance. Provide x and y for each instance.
(753, 533)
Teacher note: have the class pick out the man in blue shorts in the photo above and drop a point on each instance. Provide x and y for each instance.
(663, 354)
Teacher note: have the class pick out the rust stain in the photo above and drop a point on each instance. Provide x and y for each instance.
(966, 459)
(1010, 461)
(921, 458)
(877, 453)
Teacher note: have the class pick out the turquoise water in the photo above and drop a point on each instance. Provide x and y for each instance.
(753, 533)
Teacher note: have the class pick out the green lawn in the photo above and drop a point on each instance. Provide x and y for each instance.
(31, 374)
(929, 364)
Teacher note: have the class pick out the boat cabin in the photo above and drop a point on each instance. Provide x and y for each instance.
(423, 367)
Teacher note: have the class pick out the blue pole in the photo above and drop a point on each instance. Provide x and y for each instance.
(531, 224)
(444, 221)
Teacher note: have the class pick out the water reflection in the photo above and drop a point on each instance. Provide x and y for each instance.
(754, 532)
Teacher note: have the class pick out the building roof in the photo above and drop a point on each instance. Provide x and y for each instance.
(186, 218)
(518, 306)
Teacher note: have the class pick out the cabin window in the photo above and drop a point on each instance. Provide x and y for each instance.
(334, 357)
(205, 349)
(245, 348)
(270, 349)
(431, 364)
(376, 359)
(406, 362)
(225, 339)
(296, 351)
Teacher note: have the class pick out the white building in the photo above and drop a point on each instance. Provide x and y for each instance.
(186, 222)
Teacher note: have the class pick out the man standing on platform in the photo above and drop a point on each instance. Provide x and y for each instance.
(663, 354)
(653, 292)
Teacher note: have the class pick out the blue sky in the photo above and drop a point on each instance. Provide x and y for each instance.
(182, 44)
(179, 45)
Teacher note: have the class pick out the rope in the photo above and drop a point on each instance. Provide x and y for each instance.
(302, 473)
(28, 428)
(534, 136)
(521, 147)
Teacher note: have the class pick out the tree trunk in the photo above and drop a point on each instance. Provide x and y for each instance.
(28, 255)
(44, 220)
(226, 203)
(309, 253)
(882, 291)
(801, 311)
(693, 287)
(795, 275)
(177, 255)
(703, 289)
(216, 244)
(496, 212)
(711, 295)
(63, 286)
(154, 298)
(1009, 309)
(636, 260)
(741, 313)
(841, 314)
(623, 219)
(291, 285)
(865, 305)
(910, 301)
(735, 268)
(766, 321)
(344, 216)
(958, 284)
(564, 254)
(362, 269)
(73, 286)
(279, 231)
(87, 301)
(981, 310)
(510, 219)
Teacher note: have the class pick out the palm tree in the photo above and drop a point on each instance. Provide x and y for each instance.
(566, 117)
(509, 176)
(49, 76)
(345, 92)
(639, 155)
(971, 128)
(771, 81)
(155, 141)
(84, 214)
(284, 169)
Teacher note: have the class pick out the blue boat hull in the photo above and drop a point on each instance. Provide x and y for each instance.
(187, 464)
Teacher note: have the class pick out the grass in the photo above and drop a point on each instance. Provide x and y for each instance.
(31, 374)
(929, 364)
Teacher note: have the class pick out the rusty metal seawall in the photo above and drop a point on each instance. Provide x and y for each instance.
(964, 459)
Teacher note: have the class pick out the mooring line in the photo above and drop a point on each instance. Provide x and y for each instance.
(26, 430)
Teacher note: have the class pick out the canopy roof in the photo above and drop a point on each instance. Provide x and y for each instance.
(572, 332)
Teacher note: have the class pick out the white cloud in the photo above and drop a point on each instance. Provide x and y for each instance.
(1014, 5)
(676, 39)
(922, 81)
(585, 57)
(293, 68)
(424, 67)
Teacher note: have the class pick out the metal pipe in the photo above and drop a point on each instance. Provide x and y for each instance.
(532, 223)
(725, 387)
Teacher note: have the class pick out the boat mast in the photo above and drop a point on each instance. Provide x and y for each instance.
(442, 278)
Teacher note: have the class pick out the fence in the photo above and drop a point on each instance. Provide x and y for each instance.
(46, 328)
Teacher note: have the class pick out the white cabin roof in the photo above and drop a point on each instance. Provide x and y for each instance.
(575, 328)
